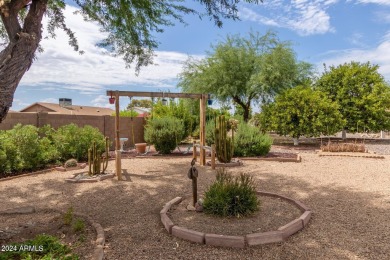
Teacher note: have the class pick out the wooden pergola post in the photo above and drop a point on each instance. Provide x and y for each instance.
(118, 166)
(202, 129)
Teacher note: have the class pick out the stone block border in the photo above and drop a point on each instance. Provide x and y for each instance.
(277, 236)
(100, 237)
(350, 154)
(297, 159)
(91, 179)
(234, 163)
(79, 166)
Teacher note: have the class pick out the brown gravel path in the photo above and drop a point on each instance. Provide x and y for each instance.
(350, 199)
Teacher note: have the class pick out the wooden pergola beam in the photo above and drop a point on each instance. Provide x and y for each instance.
(154, 94)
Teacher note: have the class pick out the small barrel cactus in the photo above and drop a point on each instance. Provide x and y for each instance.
(70, 163)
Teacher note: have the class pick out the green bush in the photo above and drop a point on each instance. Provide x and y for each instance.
(177, 110)
(249, 141)
(47, 247)
(231, 195)
(23, 148)
(72, 141)
(165, 133)
(210, 132)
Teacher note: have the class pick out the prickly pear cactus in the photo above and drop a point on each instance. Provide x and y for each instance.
(95, 163)
(224, 145)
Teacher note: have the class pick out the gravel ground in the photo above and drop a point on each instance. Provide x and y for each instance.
(350, 199)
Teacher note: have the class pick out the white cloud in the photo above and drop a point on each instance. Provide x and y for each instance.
(378, 2)
(303, 16)
(60, 67)
(379, 55)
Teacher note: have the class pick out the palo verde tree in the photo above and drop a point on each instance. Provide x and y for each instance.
(362, 94)
(130, 26)
(245, 70)
(301, 111)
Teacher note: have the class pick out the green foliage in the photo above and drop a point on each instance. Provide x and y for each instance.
(70, 163)
(210, 132)
(245, 70)
(224, 145)
(177, 110)
(362, 94)
(146, 103)
(301, 111)
(127, 113)
(73, 142)
(22, 148)
(231, 195)
(78, 226)
(165, 133)
(51, 249)
(249, 141)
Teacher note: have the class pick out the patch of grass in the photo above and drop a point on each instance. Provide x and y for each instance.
(78, 226)
(68, 216)
(42, 247)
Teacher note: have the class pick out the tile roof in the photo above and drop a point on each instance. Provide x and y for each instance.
(52, 108)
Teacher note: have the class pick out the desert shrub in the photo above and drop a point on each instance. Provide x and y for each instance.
(70, 163)
(249, 141)
(343, 147)
(9, 151)
(72, 141)
(177, 110)
(24, 144)
(165, 133)
(3, 161)
(231, 195)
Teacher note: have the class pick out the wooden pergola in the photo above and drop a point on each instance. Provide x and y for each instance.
(203, 101)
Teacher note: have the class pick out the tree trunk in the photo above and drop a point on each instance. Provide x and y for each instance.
(245, 106)
(18, 56)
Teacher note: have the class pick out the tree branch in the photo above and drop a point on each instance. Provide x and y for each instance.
(9, 16)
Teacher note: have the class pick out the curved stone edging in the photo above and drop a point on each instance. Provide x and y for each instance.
(279, 235)
(100, 237)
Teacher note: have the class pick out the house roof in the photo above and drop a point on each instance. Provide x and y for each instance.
(52, 108)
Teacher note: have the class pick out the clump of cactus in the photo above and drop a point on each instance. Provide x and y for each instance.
(70, 163)
(224, 144)
(96, 164)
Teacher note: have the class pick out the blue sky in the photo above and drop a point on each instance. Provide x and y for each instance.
(321, 31)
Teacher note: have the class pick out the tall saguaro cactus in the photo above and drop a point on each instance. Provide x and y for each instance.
(95, 162)
(224, 145)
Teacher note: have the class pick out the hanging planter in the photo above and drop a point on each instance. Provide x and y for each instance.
(111, 100)
(209, 102)
(164, 101)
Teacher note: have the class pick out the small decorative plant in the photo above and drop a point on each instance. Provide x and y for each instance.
(96, 164)
(224, 144)
(231, 195)
(70, 163)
